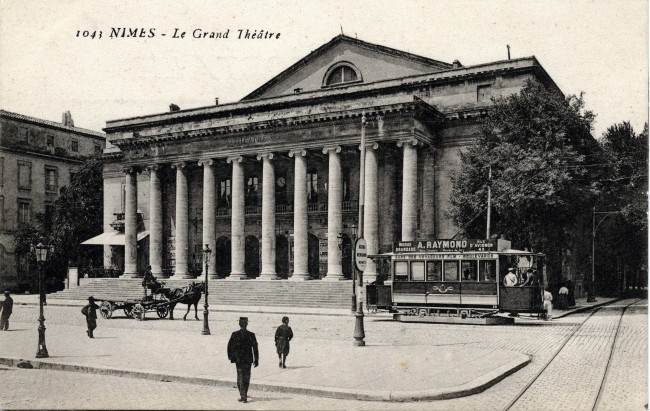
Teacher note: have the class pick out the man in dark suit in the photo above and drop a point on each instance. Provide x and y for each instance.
(242, 350)
(6, 307)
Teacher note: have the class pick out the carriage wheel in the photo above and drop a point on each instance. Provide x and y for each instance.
(128, 310)
(162, 311)
(138, 312)
(106, 309)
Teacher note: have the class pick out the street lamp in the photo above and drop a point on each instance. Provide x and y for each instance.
(594, 227)
(354, 273)
(206, 260)
(41, 250)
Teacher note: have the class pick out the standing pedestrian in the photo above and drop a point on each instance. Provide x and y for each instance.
(6, 308)
(282, 337)
(242, 350)
(548, 304)
(90, 311)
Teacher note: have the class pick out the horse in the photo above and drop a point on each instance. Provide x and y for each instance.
(191, 294)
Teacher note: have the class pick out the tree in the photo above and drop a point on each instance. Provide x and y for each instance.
(622, 238)
(77, 214)
(538, 147)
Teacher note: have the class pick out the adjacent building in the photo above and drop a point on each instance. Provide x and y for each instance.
(37, 158)
(271, 183)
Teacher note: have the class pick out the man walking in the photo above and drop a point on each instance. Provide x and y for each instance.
(242, 350)
(90, 311)
(6, 308)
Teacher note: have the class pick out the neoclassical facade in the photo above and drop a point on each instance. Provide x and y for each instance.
(271, 183)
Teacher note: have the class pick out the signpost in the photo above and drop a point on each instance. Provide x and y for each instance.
(360, 254)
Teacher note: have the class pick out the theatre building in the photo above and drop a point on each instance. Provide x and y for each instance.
(271, 183)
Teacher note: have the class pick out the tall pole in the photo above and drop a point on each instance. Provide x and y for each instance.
(591, 297)
(359, 333)
(489, 203)
(206, 258)
(354, 276)
(42, 349)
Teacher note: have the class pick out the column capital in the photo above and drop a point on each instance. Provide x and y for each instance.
(373, 146)
(205, 161)
(232, 159)
(179, 165)
(412, 141)
(265, 155)
(298, 152)
(153, 167)
(336, 149)
(131, 169)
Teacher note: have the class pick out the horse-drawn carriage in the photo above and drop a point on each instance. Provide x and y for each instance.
(162, 300)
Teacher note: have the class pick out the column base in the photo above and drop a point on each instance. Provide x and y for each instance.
(184, 276)
(130, 275)
(237, 276)
(214, 276)
(268, 276)
(333, 277)
(300, 277)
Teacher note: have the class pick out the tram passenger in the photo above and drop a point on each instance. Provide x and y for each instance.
(510, 280)
(532, 280)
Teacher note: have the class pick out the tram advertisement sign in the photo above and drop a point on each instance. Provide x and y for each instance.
(360, 254)
(445, 245)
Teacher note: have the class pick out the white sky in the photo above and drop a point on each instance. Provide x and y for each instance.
(599, 47)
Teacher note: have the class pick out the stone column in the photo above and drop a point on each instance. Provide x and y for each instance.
(371, 212)
(182, 222)
(155, 222)
(427, 214)
(209, 219)
(238, 247)
(334, 214)
(268, 217)
(409, 188)
(300, 222)
(131, 224)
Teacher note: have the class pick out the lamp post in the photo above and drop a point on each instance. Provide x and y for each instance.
(206, 260)
(594, 227)
(41, 250)
(359, 333)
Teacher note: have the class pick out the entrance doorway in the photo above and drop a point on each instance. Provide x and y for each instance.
(222, 255)
(252, 257)
(282, 256)
(313, 256)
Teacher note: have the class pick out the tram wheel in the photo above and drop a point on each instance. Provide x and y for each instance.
(138, 312)
(106, 309)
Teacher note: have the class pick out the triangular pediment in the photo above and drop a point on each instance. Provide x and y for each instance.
(370, 63)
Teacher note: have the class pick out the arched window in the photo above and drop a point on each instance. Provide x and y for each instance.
(341, 73)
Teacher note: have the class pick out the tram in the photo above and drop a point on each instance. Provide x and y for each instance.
(457, 281)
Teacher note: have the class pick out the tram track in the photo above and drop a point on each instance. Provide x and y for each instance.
(546, 366)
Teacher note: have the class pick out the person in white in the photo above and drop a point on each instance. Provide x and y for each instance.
(548, 304)
(510, 280)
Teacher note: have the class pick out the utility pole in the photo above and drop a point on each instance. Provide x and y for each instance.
(489, 203)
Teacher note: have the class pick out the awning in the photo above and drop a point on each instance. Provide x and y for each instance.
(112, 238)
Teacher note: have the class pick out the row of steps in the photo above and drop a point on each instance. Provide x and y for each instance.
(314, 294)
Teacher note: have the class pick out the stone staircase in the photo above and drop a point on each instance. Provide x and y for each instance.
(277, 293)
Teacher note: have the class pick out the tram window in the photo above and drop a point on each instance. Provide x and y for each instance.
(434, 270)
(468, 268)
(451, 270)
(401, 271)
(417, 271)
(487, 271)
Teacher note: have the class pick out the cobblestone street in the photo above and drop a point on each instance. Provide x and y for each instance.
(571, 381)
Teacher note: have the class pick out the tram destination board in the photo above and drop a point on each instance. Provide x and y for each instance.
(432, 246)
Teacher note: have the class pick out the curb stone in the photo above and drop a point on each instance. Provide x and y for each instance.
(477, 385)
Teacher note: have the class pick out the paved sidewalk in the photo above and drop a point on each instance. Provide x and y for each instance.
(326, 368)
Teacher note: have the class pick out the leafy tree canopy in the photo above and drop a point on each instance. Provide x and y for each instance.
(76, 216)
(538, 148)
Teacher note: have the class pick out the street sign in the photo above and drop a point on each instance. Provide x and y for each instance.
(360, 254)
